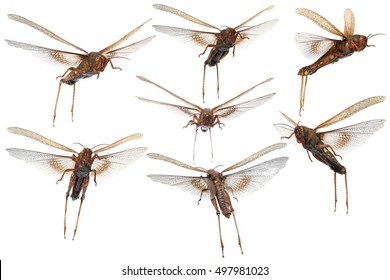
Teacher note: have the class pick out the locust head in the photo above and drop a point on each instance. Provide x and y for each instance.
(357, 42)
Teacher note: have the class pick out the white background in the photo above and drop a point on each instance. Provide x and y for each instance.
(129, 220)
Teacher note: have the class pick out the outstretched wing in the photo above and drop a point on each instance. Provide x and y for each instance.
(249, 34)
(129, 49)
(134, 136)
(194, 38)
(313, 46)
(256, 155)
(196, 186)
(170, 92)
(349, 22)
(320, 21)
(253, 178)
(347, 138)
(39, 138)
(49, 55)
(238, 109)
(284, 130)
(49, 163)
(111, 47)
(182, 14)
(351, 110)
(44, 31)
(174, 161)
(241, 25)
(108, 165)
(182, 110)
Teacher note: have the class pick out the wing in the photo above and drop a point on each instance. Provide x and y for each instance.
(192, 185)
(251, 179)
(320, 21)
(286, 131)
(49, 55)
(347, 138)
(108, 165)
(194, 38)
(48, 163)
(182, 14)
(351, 110)
(252, 17)
(44, 31)
(111, 47)
(182, 110)
(129, 49)
(240, 95)
(134, 136)
(349, 23)
(39, 138)
(256, 155)
(313, 46)
(170, 92)
(249, 34)
(290, 120)
(238, 109)
(174, 161)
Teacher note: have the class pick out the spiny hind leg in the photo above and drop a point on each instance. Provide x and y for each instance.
(238, 232)
(193, 148)
(335, 192)
(85, 186)
(211, 146)
(72, 108)
(346, 191)
(70, 69)
(302, 93)
(56, 102)
(203, 82)
(214, 202)
(216, 66)
(66, 208)
(78, 216)
(235, 223)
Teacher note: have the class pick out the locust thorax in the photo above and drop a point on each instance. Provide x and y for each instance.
(206, 118)
(85, 157)
(299, 132)
(214, 176)
(228, 37)
(97, 61)
(357, 42)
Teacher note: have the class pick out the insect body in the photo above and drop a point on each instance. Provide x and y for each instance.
(328, 50)
(219, 42)
(206, 118)
(323, 145)
(80, 166)
(82, 65)
(218, 185)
